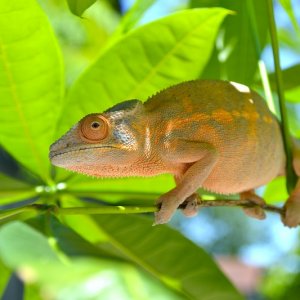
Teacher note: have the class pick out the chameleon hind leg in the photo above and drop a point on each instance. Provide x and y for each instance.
(291, 215)
(256, 211)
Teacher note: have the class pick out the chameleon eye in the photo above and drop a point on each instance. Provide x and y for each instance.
(93, 128)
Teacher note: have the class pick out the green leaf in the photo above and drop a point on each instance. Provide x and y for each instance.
(5, 274)
(150, 58)
(30, 83)
(166, 254)
(241, 64)
(293, 96)
(28, 251)
(276, 191)
(121, 189)
(134, 15)
(287, 5)
(20, 245)
(12, 190)
(290, 78)
(236, 54)
(77, 7)
(84, 225)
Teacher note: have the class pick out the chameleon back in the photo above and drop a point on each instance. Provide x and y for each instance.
(232, 118)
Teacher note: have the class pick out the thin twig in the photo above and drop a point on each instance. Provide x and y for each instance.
(239, 203)
(127, 209)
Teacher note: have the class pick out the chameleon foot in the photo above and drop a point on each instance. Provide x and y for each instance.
(256, 211)
(168, 204)
(291, 217)
(190, 206)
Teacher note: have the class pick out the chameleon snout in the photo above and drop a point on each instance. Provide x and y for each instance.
(68, 143)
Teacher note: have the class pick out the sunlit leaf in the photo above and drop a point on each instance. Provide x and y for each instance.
(35, 247)
(293, 95)
(72, 279)
(77, 7)
(154, 56)
(236, 54)
(30, 83)
(151, 247)
(276, 191)
(117, 189)
(241, 60)
(160, 250)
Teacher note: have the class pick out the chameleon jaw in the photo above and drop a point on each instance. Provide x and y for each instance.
(60, 157)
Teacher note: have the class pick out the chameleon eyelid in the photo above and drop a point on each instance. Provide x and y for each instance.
(90, 133)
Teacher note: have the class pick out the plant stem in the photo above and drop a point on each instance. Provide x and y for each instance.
(126, 209)
(16, 211)
(104, 210)
(291, 177)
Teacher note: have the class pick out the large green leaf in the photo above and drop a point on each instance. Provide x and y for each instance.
(236, 54)
(163, 252)
(30, 83)
(69, 278)
(20, 246)
(154, 56)
(168, 255)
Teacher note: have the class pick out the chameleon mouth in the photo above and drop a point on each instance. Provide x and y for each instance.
(54, 155)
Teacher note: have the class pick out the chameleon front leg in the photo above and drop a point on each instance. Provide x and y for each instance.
(199, 159)
(190, 205)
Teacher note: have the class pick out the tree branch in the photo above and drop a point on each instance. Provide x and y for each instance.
(41, 208)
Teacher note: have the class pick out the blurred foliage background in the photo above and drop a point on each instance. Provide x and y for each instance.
(60, 60)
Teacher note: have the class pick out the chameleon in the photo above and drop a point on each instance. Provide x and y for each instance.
(211, 134)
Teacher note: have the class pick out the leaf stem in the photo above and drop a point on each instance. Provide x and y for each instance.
(104, 210)
(291, 178)
(17, 211)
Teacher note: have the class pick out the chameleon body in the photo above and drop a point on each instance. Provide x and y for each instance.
(217, 135)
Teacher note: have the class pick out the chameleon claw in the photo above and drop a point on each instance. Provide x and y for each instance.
(168, 204)
(190, 207)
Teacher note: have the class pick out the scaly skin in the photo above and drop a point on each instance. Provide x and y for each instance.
(213, 134)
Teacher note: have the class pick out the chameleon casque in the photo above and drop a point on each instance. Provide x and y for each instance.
(217, 135)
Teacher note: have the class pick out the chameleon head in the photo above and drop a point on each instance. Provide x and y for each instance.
(100, 144)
